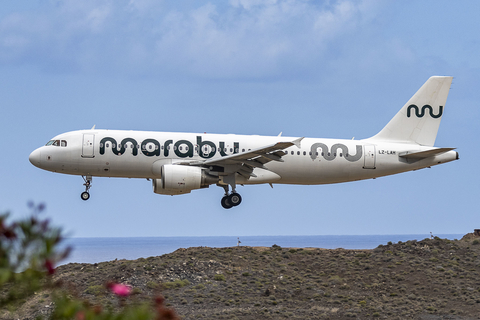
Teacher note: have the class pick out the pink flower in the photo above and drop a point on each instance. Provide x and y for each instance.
(80, 315)
(119, 289)
(49, 266)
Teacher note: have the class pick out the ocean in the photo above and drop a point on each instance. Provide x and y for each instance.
(93, 250)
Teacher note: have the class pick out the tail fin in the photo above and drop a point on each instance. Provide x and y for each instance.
(419, 119)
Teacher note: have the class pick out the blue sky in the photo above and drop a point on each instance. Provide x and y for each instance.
(331, 69)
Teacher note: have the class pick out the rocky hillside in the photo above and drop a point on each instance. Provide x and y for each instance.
(428, 279)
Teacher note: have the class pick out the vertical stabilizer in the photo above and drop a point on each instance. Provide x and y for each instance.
(419, 119)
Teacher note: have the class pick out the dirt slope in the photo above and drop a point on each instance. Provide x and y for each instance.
(428, 279)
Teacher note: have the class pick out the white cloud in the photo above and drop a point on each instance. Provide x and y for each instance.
(241, 39)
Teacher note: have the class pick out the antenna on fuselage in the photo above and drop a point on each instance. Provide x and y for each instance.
(93, 128)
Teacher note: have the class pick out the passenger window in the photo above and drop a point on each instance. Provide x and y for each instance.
(292, 153)
(304, 153)
(340, 155)
(298, 153)
(107, 145)
(243, 150)
(231, 149)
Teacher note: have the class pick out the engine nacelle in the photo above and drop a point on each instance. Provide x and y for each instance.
(180, 179)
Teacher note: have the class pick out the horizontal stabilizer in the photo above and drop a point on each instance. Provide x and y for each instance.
(423, 154)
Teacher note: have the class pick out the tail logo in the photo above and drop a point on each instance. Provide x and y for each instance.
(421, 113)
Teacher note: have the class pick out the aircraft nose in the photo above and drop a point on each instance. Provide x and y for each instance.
(35, 157)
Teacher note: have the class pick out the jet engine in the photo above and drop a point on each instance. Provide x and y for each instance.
(180, 179)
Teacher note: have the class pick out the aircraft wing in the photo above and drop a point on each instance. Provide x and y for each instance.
(253, 158)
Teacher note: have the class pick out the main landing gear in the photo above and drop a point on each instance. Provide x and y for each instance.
(230, 200)
(88, 184)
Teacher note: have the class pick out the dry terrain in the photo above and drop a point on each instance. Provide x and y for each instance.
(428, 279)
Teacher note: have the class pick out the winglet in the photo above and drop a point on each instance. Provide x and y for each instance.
(298, 141)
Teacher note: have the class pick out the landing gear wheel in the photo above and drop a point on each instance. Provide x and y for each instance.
(235, 199)
(226, 204)
(88, 184)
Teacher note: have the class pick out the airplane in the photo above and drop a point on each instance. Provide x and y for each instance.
(178, 163)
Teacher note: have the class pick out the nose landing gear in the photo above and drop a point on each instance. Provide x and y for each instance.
(88, 184)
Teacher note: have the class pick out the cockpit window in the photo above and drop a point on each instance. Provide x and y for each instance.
(57, 143)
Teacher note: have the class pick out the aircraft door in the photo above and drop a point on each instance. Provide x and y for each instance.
(369, 158)
(87, 146)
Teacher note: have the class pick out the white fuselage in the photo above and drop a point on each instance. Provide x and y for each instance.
(137, 154)
(178, 163)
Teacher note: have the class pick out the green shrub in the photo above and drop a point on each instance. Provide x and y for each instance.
(176, 284)
(219, 277)
(152, 285)
(336, 279)
(95, 290)
(136, 291)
